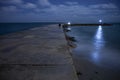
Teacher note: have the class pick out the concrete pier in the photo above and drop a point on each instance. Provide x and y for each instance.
(39, 53)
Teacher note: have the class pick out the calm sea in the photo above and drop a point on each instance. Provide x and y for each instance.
(97, 55)
(6, 28)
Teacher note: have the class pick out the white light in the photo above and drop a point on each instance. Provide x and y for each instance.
(69, 23)
(100, 20)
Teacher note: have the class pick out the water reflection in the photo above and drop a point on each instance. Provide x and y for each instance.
(98, 35)
(98, 44)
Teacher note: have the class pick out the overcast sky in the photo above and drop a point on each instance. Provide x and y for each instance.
(59, 10)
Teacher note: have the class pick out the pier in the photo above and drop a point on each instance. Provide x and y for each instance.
(39, 53)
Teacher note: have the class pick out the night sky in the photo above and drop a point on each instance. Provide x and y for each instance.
(81, 11)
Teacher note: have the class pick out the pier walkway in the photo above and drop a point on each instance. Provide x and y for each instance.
(39, 53)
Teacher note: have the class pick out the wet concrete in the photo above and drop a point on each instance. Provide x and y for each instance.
(36, 54)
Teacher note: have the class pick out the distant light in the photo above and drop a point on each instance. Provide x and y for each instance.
(100, 21)
(69, 23)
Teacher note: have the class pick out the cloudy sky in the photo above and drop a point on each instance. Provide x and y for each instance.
(59, 10)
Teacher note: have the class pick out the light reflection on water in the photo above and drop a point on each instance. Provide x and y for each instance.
(98, 44)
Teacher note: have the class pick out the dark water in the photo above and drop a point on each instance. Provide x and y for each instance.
(98, 49)
(6, 28)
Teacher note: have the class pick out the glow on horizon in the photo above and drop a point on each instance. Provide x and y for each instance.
(69, 23)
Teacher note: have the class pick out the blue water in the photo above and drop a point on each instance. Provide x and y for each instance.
(111, 34)
(98, 49)
(6, 28)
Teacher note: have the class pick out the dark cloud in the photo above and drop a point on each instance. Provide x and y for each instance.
(47, 11)
(11, 1)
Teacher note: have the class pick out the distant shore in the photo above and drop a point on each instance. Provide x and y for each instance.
(103, 24)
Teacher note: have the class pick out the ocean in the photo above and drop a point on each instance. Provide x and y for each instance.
(6, 28)
(97, 51)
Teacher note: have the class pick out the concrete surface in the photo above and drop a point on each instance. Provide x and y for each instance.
(36, 54)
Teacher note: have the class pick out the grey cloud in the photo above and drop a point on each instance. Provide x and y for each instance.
(81, 9)
(104, 6)
(72, 3)
(11, 1)
(45, 10)
(9, 9)
(44, 3)
(29, 6)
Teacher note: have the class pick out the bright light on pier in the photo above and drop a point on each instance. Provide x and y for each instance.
(69, 23)
(100, 21)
